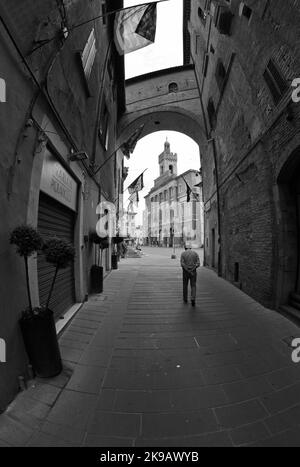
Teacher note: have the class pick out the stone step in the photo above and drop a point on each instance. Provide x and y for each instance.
(290, 311)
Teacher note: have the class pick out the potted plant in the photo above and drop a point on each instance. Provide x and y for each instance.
(36, 323)
(96, 269)
(117, 242)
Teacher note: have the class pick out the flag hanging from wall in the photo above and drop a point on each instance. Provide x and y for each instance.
(135, 28)
(188, 193)
(129, 146)
(134, 198)
(137, 185)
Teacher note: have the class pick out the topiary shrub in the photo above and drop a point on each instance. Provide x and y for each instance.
(28, 241)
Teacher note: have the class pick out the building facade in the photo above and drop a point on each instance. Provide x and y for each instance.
(170, 216)
(246, 56)
(64, 96)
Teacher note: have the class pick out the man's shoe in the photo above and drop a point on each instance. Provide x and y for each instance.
(193, 303)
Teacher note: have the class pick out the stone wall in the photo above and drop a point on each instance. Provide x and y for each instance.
(254, 136)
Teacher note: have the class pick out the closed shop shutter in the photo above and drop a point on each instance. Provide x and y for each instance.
(54, 219)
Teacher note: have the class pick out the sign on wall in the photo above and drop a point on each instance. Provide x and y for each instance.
(58, 183)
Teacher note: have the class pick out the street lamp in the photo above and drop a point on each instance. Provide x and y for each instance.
(173, 254)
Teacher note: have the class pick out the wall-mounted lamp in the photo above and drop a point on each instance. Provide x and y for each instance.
(78, 156)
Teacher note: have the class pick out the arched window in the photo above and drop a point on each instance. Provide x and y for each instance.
(171, 169)
(173, 87)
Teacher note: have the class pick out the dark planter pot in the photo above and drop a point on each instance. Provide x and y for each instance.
(117, 240)
(96, 279)
(41, 344)
(114, 261)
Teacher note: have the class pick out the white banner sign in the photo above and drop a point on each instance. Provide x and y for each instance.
(58, 183)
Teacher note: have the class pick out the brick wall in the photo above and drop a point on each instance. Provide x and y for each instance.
(254, 137)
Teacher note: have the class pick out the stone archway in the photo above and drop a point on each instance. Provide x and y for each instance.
(167, 119)
(289, 243)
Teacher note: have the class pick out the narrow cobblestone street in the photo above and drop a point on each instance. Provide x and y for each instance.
(144, 369)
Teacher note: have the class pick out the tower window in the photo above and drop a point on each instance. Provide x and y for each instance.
(173, 87)
(171, 169)
(275, 82)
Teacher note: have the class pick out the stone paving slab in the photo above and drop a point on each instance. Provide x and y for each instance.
(141, 368)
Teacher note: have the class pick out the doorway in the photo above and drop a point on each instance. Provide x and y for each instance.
(289, 233)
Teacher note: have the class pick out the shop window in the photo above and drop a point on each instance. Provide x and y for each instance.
(275, 82)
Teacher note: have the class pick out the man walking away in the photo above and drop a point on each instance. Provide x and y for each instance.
(189, 262)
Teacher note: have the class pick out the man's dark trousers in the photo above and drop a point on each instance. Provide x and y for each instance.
(192, 278)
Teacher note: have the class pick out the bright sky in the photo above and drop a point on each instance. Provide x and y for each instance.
(146, 155)
(167, 51)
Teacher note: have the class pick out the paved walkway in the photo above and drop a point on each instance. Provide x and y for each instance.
(144, 369)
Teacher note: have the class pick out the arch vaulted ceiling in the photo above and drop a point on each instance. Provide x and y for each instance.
(164, 100)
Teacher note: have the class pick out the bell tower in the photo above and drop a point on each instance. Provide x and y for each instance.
(167, 161)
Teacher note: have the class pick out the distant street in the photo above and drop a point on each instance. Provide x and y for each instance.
(144, 369)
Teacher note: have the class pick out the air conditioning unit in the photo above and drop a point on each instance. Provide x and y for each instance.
(223, 20)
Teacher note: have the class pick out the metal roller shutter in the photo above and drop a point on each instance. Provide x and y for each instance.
(55, 219)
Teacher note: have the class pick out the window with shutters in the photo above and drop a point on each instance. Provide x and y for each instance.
(245, 11)
(211, 111)
(88, 55)
(104, 127)
(220, 74)
(223, 20)
(275, 82)
(202, 15)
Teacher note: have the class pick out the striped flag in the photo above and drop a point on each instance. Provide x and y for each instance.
(129, 146)
(137, 185)
(134, 198)
(135, 28)
(188, 192)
